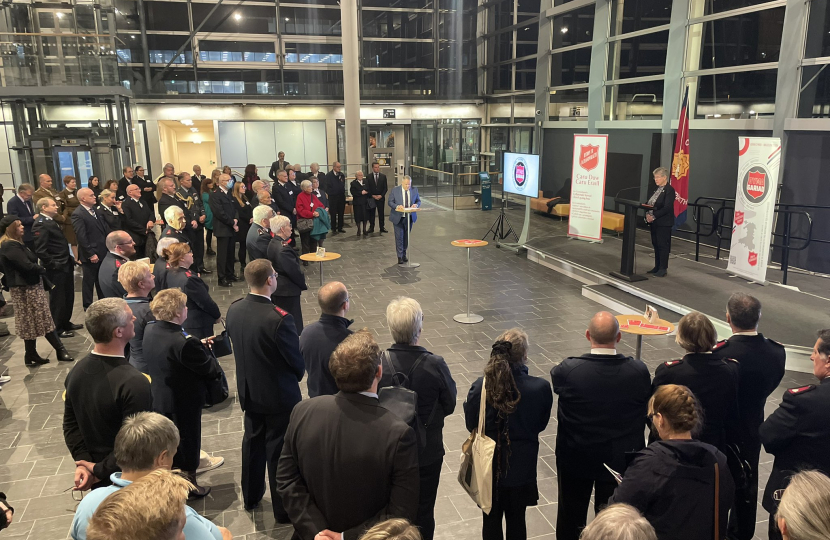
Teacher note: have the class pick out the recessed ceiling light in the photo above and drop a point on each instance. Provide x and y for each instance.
(237, 16)
(564, 29)
(194, 130)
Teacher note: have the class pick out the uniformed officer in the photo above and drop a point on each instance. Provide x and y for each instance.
(45, 188)
(798, 433)
(269, 367)
(203, 312)
(175, 218)
(761, 366)
(192, 201)
(259, 235)
(180, 365)
(712, 380)
(53, 250)
(603, 403)
(121, 248)
(290, 279)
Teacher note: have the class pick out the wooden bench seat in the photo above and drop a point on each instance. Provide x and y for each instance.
(613, 221)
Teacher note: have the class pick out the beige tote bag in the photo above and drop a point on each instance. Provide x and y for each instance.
(476, 474)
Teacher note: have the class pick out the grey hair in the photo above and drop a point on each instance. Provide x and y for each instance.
(142, 438)
(114, 238)
(171, 213)
(405, 319)
(41, 203)
(105, 193)
(305, 183)
(170, 165)
(165, 243)
(263, 212)
(278, 222)
(805, 506)
(619, 522)
(660, 171)
(104, 316)
(824, 341)
(315, 164)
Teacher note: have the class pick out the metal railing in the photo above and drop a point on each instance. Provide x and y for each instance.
(453, 189)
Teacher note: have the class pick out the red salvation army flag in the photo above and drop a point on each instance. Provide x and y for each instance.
(680, 165)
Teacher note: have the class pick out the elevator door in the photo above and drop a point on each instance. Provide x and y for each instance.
(73, 161)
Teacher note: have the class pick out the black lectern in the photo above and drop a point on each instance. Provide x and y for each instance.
(629, 231)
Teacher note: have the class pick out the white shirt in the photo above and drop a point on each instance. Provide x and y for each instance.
(369, 394)
(753, 333)
(604, 352)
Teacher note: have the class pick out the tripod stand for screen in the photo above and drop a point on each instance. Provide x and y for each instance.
(497, 228)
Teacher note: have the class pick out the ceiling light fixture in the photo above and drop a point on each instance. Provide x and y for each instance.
(187, 122)
(237, 16)
(564, 29)
(194, 130)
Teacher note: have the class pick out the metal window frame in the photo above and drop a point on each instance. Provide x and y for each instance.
(738, 11)
(766, 66)
(638, 33)
(570, 6)
(569, 48)
(635, 80)
(579, 86)
(817, 61)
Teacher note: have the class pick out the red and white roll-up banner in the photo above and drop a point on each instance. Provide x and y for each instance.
(588, 187)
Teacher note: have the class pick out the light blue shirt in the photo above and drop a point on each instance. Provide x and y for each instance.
(196, 527)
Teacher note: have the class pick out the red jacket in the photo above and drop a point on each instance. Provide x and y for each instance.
(307, 204)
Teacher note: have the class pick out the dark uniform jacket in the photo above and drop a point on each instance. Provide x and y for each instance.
(290, 279)
(180, 365)
(101, 392)
(672, 483)
(524, 426)
(283, 195)
(603, 403)
(25, 211)
(436, 393)
(335, 183)
(148, 196)
(192, 201)
(160, 269)
(715, 384)
(761, 365)
(140, 306)
(202, 311)
(269, 366)
(108, 276)
(91, 232)
(224, 213)
(112, 216)
(798, 435)
(257, 242)
(347, 464)
(170, 232)
(19, 265)
(166, 201)
(317, 342)
(51, 245)
(664, 208)
(136, 216)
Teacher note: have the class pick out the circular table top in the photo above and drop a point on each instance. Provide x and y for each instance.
(637, 324)
(469, 243)
(312, 257)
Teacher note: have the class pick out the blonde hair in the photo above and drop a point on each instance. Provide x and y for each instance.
(105, 193)
(405, 319)
(393, 529)
(696, 333)
(151, 508)
(167, 304)
(619, 522)
(805, 506)
(132, 273)
(237, 193)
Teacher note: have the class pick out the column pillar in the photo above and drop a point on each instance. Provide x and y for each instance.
(599, 60)
(351, 84)
(673, 84)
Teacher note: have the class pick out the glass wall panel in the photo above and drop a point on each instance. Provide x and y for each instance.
(236, 51)
(238, 81)
(167, 16)
(815, 97)
(398, 54)
(570, 67)
(526, 75)
(314, 83)
(399, 83)
(574, 27)
(736, 94)
(239, 19)
(397, 24)
(310, 22)
(751, 38)
(569, 104)
(632, 15)
(126, 15)
(411, 4)
(500, 77)
(162, 49)
(818, 31)
(314, 53)
(719, 6)
(639, 56)
(634, 101)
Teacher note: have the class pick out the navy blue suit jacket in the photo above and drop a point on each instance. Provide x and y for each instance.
(26, 214)
(396, 198)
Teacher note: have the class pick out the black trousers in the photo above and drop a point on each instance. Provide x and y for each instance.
(574, 498)
(90, 282)
(189, 421)
(208, 238)
(197, 244)
(242, 254)
(308, 243)
(744, 510)
(380, 203)
(337, 207)
(261, 446)
(61, 297)
(141, 250)
(430, 476)
(291, 304)
(224, 257)
(661, 240)
(510, 504)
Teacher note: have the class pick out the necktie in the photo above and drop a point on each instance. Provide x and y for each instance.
(406, 199)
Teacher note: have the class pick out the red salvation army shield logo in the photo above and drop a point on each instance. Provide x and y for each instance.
(521, 173)
(588, 156)
(739, 217)
(756, 184)
(752, 259)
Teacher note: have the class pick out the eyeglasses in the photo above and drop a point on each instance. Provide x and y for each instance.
(130, 243)
(651, 416)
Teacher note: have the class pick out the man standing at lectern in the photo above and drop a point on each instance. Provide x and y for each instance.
(401, 197)
(661, 220)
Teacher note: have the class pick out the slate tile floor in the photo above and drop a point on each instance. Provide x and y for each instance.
(35, 467)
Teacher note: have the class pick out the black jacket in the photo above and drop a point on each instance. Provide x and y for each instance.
(269, 366)
(378, 187)
(123, 183)
(148, 196)
(436, 393)
(524, 426)
(180, 365)
(160, 269)
(317, 342)
(356, 189)
(664, 208)
(276, 167)
(19, 265)
(25, 211)
(347, 464)
(51, 245)
(244, 213)
(761, 366)
(798, 435)
(257, 242)
(136, 216)
(101, 392)
(166, 201)
(202, 311)
(715, 384)
(603, 403)
(283, 195)
(91, 233)
(140, 306)
(112, 216)
(224, 213)
(108, 276)
(290, 279)
(672, 483)
(170, 232)
(335, 183)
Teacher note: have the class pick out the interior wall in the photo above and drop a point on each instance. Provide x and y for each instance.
(633, 141)
(190, 154)
(168, 145)
(557, 156)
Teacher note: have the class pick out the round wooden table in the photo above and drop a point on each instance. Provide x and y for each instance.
(639, 326)
(408, 212)
(312, 257)
(468, 318)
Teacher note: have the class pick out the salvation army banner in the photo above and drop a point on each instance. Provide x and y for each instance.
(758, 162)
(588, 186)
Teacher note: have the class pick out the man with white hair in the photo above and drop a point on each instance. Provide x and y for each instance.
(91, 230)
(139, 218)
(290, 278)
(259, 235)
(175, 219)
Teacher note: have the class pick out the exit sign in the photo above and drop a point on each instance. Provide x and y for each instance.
(389, 113)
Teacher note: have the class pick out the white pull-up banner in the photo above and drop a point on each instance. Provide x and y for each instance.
(588, 187)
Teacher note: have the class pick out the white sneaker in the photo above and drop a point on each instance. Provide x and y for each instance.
(208, 463)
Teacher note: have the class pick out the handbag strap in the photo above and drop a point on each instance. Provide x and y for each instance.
(481, 407)
(717, 501)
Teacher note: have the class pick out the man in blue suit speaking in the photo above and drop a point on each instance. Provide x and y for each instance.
(402, 196)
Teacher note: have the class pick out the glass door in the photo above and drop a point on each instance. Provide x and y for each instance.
(72, 161)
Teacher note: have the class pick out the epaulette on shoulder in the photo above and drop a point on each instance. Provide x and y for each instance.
(775, 343)
(801, 390)
(672, 363)
(731, 360)
(719, 344)
(280, 311)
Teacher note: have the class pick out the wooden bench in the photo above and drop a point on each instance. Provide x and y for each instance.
(613, 221)
(540, 204)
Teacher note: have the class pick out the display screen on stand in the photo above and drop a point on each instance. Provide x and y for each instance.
(521, 174)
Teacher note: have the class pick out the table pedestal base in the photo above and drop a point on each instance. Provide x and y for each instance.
(468, 318)
(410, 265)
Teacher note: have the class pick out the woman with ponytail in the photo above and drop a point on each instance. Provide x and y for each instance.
(673, 482)
(518, 409)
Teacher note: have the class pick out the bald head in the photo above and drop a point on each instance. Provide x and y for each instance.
(603, 331)
(333, 298)
(116, 238)
(86, 196)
